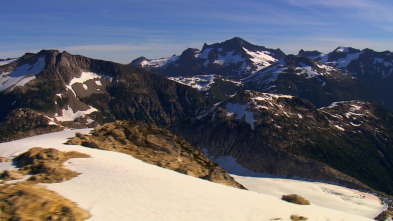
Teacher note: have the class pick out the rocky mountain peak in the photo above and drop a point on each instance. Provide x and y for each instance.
(235, 43)
(311, 54)
(234, 58)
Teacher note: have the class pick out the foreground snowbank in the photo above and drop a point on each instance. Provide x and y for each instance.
(115, 186)
(318, 193)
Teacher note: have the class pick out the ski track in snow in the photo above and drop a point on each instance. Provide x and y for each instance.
(116, 186)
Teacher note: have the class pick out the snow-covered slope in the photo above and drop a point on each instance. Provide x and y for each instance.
(115, 186)
(7, 61)
(20, 75)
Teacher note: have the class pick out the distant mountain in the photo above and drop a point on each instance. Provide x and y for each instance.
(288, 136)
(312, 75)
(234, 58)
(76, 91)
(305, 78)
(373, 68)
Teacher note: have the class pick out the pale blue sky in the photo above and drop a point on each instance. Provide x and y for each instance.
(122, 30)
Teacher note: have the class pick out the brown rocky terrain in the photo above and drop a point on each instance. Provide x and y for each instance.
(294, 198)
(26, 201)
(47, 164)
(155, 146)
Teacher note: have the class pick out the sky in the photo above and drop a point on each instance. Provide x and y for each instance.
(122, 30)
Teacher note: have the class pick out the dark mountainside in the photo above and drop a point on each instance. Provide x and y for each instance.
(289, 136)
(307, 79)
(114, 91)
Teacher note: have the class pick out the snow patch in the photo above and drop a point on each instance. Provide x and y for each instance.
(228, 58)
(261, 59)
(340, 128)
(205, 53)
(342, 50)
(240, 111)
(4, 62)
(344, 62)
(21, 75)
(69, 115)
(85, 76)
(200, 82)
(156, 63)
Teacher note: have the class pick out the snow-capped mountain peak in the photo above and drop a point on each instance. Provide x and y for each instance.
(234, 58)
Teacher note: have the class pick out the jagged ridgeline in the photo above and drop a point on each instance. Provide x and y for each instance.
(344, 74)
(75, 91)
(287, 136)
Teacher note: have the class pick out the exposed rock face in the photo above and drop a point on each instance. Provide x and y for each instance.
(23, 122)
(288, 136)
(30, 202)
(155, 146)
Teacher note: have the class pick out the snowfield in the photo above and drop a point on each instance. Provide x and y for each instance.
(116, 186)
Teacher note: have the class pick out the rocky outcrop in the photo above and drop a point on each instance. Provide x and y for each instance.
(26, 201)
(31, 202)
(294, 198)
(4, 159)
(155, 146)
(47, 164)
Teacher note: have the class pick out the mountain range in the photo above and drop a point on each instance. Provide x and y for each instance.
(344, 74)
(324, 117)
